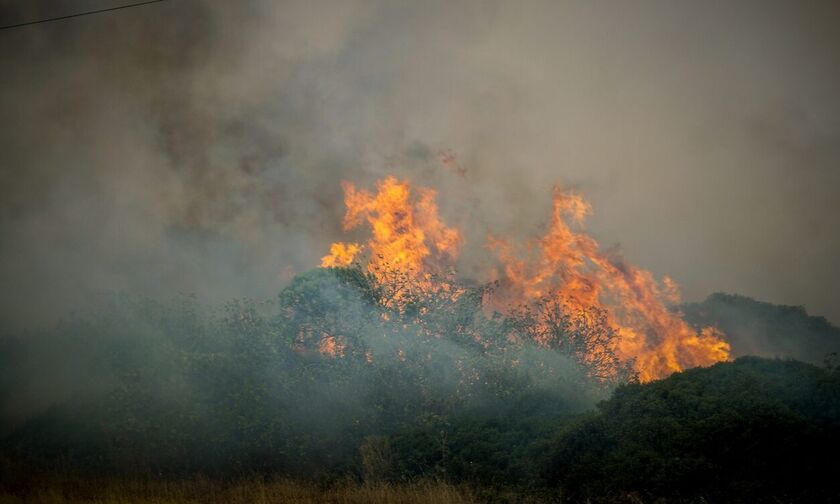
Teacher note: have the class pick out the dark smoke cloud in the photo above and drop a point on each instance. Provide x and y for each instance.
(193, 146)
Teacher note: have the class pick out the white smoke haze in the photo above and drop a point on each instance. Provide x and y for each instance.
(198, 146)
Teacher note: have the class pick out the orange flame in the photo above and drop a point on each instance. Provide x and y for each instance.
(341, 254)
(408, 234)
(570, 265)
(564, 264)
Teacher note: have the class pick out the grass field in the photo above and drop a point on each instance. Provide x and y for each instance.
(255, 491)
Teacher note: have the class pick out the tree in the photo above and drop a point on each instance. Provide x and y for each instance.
(583, 333)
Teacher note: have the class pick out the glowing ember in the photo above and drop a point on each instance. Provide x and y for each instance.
(331, 347)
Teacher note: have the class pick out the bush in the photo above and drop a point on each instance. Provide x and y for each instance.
(748, 431)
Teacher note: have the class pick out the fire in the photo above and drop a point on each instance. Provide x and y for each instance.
(407, 233)
(565, 267)
(569, 264)
(330, 346)
(341, 254)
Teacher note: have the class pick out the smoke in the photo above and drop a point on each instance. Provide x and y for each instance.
(254, 379)
(198, 146)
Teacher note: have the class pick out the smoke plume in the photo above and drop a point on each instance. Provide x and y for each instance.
(199, 146)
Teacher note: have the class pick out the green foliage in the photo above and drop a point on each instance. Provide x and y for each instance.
(177, 388)
(749, 431)
(392, 381)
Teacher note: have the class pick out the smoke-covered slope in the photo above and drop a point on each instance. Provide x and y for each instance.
(758, 328)
(334, 380)
(293, 386)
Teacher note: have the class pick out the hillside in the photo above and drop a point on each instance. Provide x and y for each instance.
(758, 328)
(328, 385)
(753, 430)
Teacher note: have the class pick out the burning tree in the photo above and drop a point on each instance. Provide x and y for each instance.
(582, 333)
(565, 291)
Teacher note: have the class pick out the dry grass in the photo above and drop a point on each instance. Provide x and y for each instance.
(201, 491)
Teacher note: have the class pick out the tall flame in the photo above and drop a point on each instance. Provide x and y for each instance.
(569, 265)
(564, 265)
(407, 233)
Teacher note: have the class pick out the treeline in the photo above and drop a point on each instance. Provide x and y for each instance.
(346, 376)
(295, 386)
(753, 430)
(764, 329)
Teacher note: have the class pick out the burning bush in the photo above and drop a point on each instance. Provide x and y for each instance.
(411, 251)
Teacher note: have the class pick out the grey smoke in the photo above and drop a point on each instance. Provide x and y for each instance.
(197, 146)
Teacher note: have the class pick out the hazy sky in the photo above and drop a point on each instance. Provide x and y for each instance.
(192, 146)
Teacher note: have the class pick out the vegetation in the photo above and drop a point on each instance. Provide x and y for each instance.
(246, 491)
(362, 389)
(294, 387)
(756, 328)
(748, 431)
